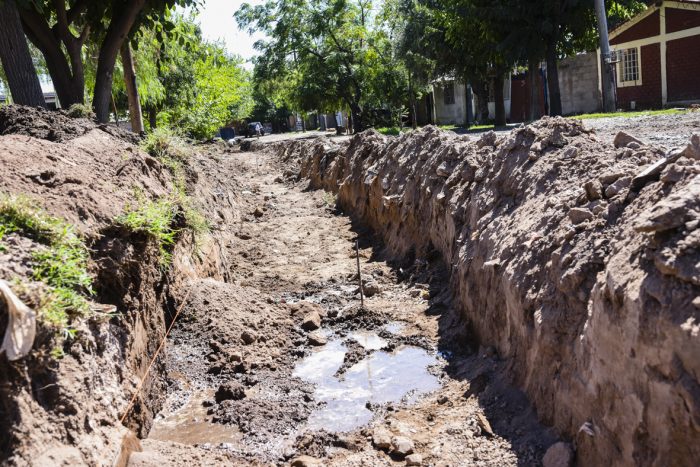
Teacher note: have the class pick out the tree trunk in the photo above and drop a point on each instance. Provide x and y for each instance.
(16, 59)
(132, 91)
(357, 118)
(481, 91)
(500, 101)
(68, 83)
(555, 107)
(152, 118)
(534, 97)
(117, 31)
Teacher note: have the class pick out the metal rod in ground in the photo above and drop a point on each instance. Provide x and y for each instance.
(359, 273)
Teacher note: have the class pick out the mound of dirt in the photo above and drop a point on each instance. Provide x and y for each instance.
(66, 411)
(54, 126)
(581, 274)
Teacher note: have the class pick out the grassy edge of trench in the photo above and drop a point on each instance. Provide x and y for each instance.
(60, 284)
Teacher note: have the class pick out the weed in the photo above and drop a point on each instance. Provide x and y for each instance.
(80, 111)
(154, 218)
(61, 265)
(329, 199)
(168, 147)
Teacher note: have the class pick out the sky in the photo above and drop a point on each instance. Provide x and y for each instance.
(217, 23)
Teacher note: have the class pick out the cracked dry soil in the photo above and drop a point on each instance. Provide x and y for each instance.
(252, 381)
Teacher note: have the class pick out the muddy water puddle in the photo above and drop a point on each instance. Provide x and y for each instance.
(380, 378)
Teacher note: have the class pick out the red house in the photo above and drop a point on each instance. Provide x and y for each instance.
(658, 54)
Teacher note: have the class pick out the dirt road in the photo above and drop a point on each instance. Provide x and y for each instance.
(253, 381)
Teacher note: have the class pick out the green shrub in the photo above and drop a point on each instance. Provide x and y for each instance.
(80, 111)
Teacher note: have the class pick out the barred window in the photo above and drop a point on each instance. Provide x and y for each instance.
(630, 65)
(449, 94)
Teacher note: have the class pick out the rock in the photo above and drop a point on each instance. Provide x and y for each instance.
(306, 461)
(634, 145)
(484, 424)
(312, 321)
(559, 454)
(233, 390)
(594, 189)
(258, 212)
(317, 339)
(570, 152)
(610, 177)
(487, 139)
(653, 172)
(443, 170)
(672, 174)
(578, 215)
(692, 151)
(248, 337)
(619, 185)
(381, 439)
(371, 288)
(624, 139)
(414, 459)
(401, 446)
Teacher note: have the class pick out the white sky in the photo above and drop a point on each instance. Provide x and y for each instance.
(217, 23)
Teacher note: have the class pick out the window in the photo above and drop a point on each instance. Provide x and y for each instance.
(448, 93)
(630, 65)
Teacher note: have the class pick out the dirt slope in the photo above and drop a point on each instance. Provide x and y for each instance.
(589, 289)
(66, 411)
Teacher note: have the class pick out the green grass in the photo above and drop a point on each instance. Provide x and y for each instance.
(154, 218)
(389, 131)
(172, 150)
(62, 265)
(641, 113)
(167, 146)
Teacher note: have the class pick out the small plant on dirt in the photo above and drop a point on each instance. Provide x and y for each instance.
(167, 146)
(80, 111)
(154, 218)
(329, 199)
(61, 265)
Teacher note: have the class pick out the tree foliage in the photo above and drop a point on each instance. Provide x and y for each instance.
(324, 55)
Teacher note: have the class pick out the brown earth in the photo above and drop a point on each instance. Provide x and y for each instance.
(521, 261)
(586, 285)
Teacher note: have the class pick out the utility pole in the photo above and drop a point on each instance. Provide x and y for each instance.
(607, 77)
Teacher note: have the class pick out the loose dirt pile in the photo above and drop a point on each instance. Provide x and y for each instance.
(63, 405)
(580, 273)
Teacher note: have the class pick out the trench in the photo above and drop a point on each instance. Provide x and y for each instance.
(251, 380)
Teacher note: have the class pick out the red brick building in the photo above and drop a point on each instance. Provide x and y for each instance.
(659, 56)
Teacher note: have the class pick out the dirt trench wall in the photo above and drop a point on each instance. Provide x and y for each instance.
(590, 290)
(66, 411)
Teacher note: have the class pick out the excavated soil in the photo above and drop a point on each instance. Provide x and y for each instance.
(535, 260)
(238, 357)
(577, 260)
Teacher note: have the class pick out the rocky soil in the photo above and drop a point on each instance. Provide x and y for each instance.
(576, 259)
(531, 266)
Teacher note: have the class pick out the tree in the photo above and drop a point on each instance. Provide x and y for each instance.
(132, 91)
(61, 29)
(16, 60)
(330, 48)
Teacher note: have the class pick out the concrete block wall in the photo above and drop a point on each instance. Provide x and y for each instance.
(578, 83)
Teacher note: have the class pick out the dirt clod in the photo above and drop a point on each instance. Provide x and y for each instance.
(232, 390)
